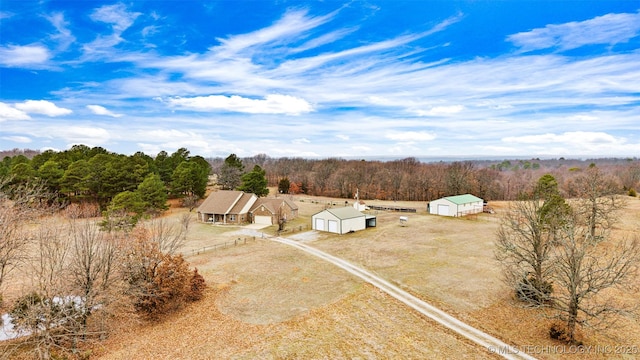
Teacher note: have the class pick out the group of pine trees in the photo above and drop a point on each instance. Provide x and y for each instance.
(135, 185)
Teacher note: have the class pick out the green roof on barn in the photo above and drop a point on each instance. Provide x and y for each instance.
(463, 199)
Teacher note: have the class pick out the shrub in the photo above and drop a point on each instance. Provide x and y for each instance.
(23, 309)
(531, 290)
(558, 331)
(158, 282)
(632, 192)
(196, 287)
(82, 210)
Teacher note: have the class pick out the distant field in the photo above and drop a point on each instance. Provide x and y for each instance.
(270, 301)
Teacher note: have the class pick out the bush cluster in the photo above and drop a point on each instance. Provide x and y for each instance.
(159, 282)
(531, 290)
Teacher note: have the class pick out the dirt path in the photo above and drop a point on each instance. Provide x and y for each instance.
(488, 342)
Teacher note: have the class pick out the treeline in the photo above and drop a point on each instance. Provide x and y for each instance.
(412, 180)
(94, 174)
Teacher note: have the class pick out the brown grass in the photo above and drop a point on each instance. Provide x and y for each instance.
(270, 301)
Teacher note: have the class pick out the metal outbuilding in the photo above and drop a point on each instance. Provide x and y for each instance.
(459, 205)
(340, 220)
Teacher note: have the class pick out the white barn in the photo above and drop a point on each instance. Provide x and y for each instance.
(339, 220)
(458, 205)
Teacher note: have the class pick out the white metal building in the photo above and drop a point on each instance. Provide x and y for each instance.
(458, 205)
(339, 220)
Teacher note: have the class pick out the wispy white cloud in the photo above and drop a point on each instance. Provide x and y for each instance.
(271, 104)
(411, 136)
(301, 141)
(573, 137)
(64, 37)
(291, 25)
(101, 110)
(116, 15)
(606, 29)
(26, 56)
(88, 135)
(149, 30)
(43, 107)
(8, 112)
(18, 139)
(119, 18)
(441, 110)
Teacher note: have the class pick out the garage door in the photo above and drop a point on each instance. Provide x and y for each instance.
(333, 226)
(443, 209)
(266, 220)
(319, 224)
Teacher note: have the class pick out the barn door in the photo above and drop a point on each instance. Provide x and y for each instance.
(333, 226)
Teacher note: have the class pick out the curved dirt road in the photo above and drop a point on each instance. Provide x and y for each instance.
(488, 342)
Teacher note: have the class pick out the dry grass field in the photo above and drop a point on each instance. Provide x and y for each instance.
(270, 301)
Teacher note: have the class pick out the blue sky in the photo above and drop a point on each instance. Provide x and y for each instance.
(323, 79)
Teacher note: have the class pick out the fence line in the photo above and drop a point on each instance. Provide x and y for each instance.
(243, 241)
(293, 230)
(214, 247)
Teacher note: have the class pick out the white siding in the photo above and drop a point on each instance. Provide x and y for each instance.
(470, 208)
(448, 208)
(326, 221)
(333, 227)
(354, 224)
(443, 209)
(265, 220)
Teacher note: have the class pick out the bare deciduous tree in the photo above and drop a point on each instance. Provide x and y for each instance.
(73, 277)
(523, 248)
(92, 269)
(169, 237)
(544, 243)
(598, 200)
(44, 311)
(19, 205)
(584, 268)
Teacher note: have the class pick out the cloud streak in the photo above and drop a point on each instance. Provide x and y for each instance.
(42, 107)
(608, 29)
(101, 110)
(271, 104)
(26, 56)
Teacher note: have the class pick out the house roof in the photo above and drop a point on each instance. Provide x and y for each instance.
(225, 202)
(343, 213)
(244, 203)
(463, 199)
(273, 204)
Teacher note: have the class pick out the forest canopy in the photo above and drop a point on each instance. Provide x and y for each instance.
(84, 173)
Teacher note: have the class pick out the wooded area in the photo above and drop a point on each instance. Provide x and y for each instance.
(94, 173)
(412, 180)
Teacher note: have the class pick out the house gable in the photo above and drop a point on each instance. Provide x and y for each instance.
(226, 206)
(271, 207)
